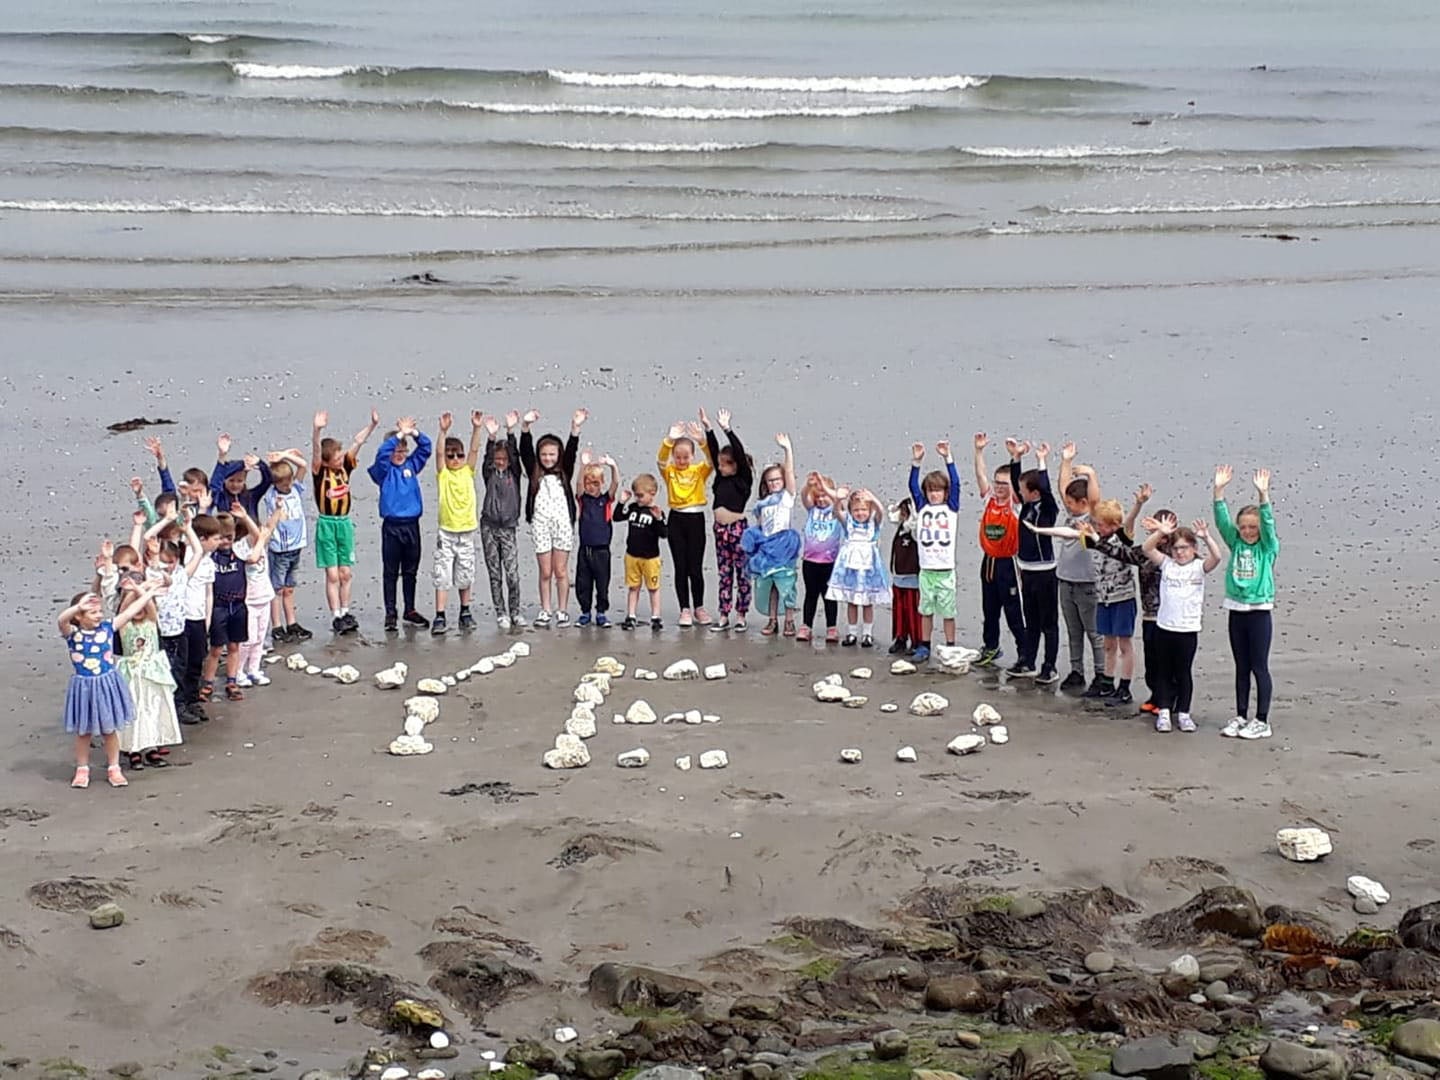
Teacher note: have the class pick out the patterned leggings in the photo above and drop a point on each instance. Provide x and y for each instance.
(731, 561)
(502, 563)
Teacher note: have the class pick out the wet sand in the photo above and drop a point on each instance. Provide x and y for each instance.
(241, 855)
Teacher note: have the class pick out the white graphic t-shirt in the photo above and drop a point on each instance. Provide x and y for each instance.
(935, 526)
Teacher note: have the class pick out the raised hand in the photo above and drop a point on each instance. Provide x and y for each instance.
(205, 500)
(677, 430)
(608, 460)
(222, 443)
(1012, 445)
(1160, 525)
(695, 431)
(842, 493)
(625, 495)
(1067, 452)
(1043, 450)
(1143, 493)
(1200, 529)
(250, 461)
(374, 417)
(446, 419)
(704, 420)
(579, 416)
(1223, 475)
(322, 418)
(917, 452)
(492, 426)
(783, 440)
(981, 440)
(512, 418)
(723, 415)
(138, 518)
(1024, 447)
(586, 457)
(406, 426)
(1262, 482)
(238, 512)
(107, 549)
(153, 444)
(943, 448)
(531, 415)
(477, 418)
(137, 486)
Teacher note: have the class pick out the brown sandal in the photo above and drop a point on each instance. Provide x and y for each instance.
(770, 628)
(789, 627)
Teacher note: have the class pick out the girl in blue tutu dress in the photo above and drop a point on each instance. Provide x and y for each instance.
(859, 579)
(97, 701)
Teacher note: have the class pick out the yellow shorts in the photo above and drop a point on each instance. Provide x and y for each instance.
(642, 571)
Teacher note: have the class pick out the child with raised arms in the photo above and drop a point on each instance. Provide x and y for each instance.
(823, 535)
(500, 517)
(936, 499)
(1249, 599)
(459, 521)
(1182, 606)
(331, 466)
(550, 510)
(734, 484)
(859, 580)
(685, 478)
(771, 547)
(642, 548)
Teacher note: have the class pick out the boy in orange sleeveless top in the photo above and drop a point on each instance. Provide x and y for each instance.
(999, 578)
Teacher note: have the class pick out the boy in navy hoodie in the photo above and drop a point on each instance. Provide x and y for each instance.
(397, 472)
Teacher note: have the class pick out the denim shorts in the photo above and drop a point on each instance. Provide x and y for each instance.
(1115, 620)
(282, 568)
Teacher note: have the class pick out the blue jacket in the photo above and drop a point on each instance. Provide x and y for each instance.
(249, 498)
(400, 484)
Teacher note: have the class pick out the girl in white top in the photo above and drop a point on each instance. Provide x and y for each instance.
(1182, 603)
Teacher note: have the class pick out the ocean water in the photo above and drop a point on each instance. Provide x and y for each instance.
(303, 151)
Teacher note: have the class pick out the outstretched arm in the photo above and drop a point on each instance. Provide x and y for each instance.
(1142, 496)
(943, 449)
(364, 433)
(917, 456)
(321, 419)
(788, 465)
(1269, 538)
(981, 480)
(477, 425)
(1159, 530)
(1215, 549)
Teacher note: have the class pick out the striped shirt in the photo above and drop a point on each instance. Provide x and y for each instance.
(332, 487)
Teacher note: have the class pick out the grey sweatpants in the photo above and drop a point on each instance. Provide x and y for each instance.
(1077, 605)
(502, 563)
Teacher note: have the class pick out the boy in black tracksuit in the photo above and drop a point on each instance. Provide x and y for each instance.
(592, 566)
(1039, 589)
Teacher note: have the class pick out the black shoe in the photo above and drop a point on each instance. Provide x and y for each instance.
(1120, 696)
(899, 645)
(656, 624)
(339, 625)
(1020, 670)
(467, 621)
(414, 618)
(437, 627)
(352, 625)
(392, 622)
(988, 657)
(867, 642)
(281, 635)
(1048, 677)
(1073, 681)
(1100, 687)
(192, 714)
(298, 632)
(629, 623)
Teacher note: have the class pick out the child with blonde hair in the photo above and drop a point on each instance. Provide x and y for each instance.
(859, 579)
(592, 562)
(685, 480)
(550, 510)
(642, 547)
(773, 544)
(459, 520)
(824, 533)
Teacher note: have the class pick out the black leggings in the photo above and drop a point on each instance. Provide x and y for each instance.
(687, 548)
(1147, 644)
(1250, 634)
(1175, 656)
(817, 579)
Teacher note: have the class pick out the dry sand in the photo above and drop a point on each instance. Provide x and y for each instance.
(242, 856)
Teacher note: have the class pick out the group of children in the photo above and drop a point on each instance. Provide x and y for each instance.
(211, 566)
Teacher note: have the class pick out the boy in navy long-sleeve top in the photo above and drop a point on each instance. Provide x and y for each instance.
(592, 565)
(227, 480)
(397, 473)
(1039, 589)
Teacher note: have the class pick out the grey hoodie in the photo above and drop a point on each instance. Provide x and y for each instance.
(501, 507)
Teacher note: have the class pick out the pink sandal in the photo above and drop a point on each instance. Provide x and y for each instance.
(803, 634)
(116, 777)
(82, 777)
(832, 636)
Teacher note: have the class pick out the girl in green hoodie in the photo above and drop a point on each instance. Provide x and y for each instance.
(1250, 599)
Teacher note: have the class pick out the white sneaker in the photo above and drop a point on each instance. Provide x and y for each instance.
(542, 618)
(1256, 729)
(242, 680)
(259, 678)
(503, 622)
(1232, 729)
(1185, 723)
(1162, 721)
(739, 625)
(562, 618)
(686, 619)
(517, 619)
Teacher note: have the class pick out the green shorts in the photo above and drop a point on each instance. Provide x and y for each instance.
(937, 593)
(334, 541)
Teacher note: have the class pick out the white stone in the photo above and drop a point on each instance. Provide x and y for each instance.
(861, 673)
(1185, 967)
(296, 662)
(643, 673)
(589, 693)
(902, 667)
(633, 759)
(347, 675)
(582, 726)
(683, 763)
(582, 708)
(439, 1040)
(856, 701)
(716, 671)
(1303, 844)
(313, 669)
(682, 669)
(566, 1034)
(999, 734)
(673, 718)
(330, 672)
(851, 756)
(711, 718)
(597, 679)
(640, 713)
(431, 686)
(390, 678)
(569, 753)
(714, 759)
(1359, 886)
(610, 666)
(408, 745)
(694, 716)
(827, 691)
(519, 649)
(426, 708)
(414, 725)
(395, 1072)
(985, 714)
(483, 666)
(462, 674)
(906, 753)
(828, 680)
(619, 718)
(651, 676)
(966, 744)
(448, 680)
(889, 706)
(503, 659)
(929, 703)
(432, 1073)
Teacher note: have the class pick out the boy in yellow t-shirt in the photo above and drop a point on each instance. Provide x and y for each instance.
(459, 520)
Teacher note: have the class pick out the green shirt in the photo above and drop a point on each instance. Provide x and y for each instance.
(1250, 575)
